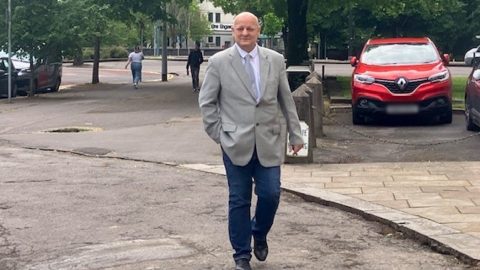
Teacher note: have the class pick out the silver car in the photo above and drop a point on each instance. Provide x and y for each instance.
(471, 54)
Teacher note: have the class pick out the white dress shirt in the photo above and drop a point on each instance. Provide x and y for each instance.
(255, 61)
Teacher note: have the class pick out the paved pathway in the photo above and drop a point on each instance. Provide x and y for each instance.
(437, 203)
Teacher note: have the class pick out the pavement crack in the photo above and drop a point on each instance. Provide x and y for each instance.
(8, 251)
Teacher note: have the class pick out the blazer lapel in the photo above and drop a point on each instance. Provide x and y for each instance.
(264, 70)
(239, 68)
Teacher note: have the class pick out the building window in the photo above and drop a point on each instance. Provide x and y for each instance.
(210, 16)
(217, 41)
(217, 17)
(210, 39)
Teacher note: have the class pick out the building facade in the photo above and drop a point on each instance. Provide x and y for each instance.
(221, 25)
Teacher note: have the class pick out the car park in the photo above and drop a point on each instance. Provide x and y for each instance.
(4, 78)
(401, 76)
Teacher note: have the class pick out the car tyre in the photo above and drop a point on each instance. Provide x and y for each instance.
(56, 87)
(14, 90)
(468, 118)
(356, 118)
(447, 117)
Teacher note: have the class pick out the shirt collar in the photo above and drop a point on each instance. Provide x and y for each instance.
(243, 53)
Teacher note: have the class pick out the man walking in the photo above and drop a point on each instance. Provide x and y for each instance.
(242, 90)
(195, 59)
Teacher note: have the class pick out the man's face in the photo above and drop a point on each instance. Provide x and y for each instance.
(246, 31)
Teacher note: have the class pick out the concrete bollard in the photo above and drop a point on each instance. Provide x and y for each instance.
(304, 111)
(318, 107)
(313, 119)
(313, 74)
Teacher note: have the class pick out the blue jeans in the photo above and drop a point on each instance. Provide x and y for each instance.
(241, 227)
(136, 72)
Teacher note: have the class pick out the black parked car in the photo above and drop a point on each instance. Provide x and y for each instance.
(47, 75)
(4, 78)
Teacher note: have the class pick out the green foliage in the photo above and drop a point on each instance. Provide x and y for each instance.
(271, 25)
(197, 23)
(33, 27)
(106, 52)
(118, 52)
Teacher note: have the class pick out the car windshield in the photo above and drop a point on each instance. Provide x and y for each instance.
(399, 54)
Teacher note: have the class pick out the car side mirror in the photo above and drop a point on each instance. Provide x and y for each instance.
(353, 61)
(446, 58)
(476, 74)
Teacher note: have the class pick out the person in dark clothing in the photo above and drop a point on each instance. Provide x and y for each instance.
(195, 59)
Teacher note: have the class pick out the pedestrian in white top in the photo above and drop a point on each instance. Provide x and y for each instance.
(135, 58)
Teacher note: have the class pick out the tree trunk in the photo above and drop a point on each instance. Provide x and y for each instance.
(96, 61)
(142, 31)
(297, 32)
(285, 38)
(78, 60)
(32, 87)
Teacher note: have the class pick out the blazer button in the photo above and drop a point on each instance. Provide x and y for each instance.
(257, 124)
(256, 106)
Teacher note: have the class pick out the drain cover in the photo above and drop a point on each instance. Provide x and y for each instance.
(93, 151)
(73, 129)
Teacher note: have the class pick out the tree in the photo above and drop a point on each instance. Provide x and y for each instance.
(296, 51)
(197, 23)
(271, 26)
(33, 30)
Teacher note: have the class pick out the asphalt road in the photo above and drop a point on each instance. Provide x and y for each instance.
(61, 211)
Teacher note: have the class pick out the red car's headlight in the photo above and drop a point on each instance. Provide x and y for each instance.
(365, 79)
(439, 77)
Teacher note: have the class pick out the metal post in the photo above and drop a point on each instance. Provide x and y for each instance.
(164, 52)
(350, 33)
(9, 20)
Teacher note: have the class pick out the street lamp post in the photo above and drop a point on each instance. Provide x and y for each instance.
(164, 52)
(9, 22)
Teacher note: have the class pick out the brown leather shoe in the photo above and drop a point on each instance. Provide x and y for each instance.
(260, 249)
(242, 264)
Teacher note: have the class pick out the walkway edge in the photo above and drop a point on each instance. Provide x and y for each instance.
(438, 237)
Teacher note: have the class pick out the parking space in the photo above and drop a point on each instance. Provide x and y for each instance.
(396, 140)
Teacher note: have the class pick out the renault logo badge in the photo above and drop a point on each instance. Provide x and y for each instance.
(402, 83)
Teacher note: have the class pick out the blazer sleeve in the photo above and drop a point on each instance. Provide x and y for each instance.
(208, 101)
(288, 107)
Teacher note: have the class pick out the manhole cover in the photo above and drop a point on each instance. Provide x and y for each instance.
(73, 129)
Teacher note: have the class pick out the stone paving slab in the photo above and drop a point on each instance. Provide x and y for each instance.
(437, 203)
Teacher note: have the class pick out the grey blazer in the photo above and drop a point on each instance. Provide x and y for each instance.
(231, 115)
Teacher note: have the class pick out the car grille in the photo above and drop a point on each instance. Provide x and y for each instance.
(393, 87)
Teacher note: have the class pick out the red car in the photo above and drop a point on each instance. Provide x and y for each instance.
(401, 76)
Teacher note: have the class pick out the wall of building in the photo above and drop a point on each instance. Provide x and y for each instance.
(221, 25)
